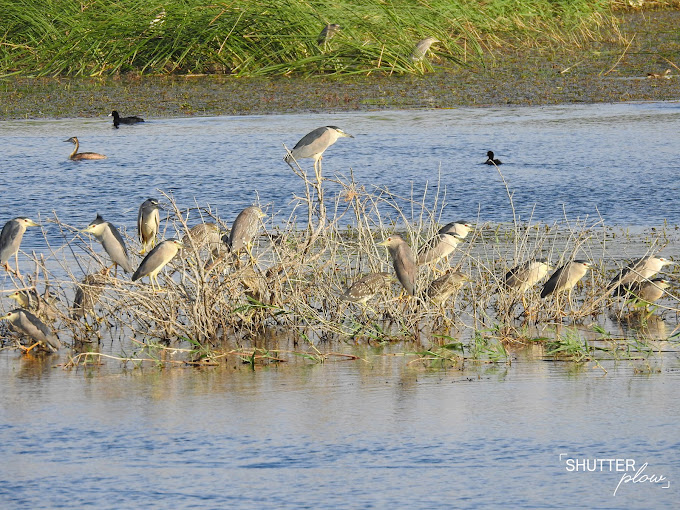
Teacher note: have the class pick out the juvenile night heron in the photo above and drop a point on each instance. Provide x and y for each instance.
(10, 240)
(148, 222)
(27, 299)
(441, 289)
(403, 262)
(328, 32)
(366, 287)
(313, 145)
(637, 271)
(43, 306)
(490, 160)
(244, 229)
(77, 156)
(566, 277)
(203, 235)
(156, 259)
(88, 293)
(29, 324)
(421, 48)
(107, 234)
(524, 276)
(117, 119)
(444, 243)
(649, 291)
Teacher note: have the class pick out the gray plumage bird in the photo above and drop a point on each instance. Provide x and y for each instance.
(30, 325)
(441, 289)
(42, 306)
(524, 276)
(313, 145)
(444, 243)
(156, 259)
(637, 271)
(203, 235)
(366, 287)
(421, 48)
(88, 293)
(403, 262)
(328, 32)
(244, 229)
(565, 277)
(649, 291)
(10, 240)
(107, 234)
(77, 156)
(148, 223)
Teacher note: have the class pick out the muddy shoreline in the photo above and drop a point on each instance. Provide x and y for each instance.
(602, 71)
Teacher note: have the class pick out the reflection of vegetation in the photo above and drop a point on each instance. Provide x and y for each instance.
(273, 38)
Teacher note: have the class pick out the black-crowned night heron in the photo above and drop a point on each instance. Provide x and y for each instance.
(650, 290)
(444, 243)
(107, 234)
(366, 287)
(88, 293)
(328, 32)
(148, 222)
(77, 156)
(43, 306)
(441, 289)
(403, 262)
(10, 240)
(422, 47)
(313, 145)
(156, 260)
(524, 276)
(27, 299)
(490, 160)
(244, 229)
(29, 324)
(566, 277)
(637, 271)
(203, 235)
(117, 119)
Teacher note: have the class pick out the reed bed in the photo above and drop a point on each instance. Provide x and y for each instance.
(214, 305)
(255, 38)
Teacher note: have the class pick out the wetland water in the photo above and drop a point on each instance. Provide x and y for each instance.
(361, 434)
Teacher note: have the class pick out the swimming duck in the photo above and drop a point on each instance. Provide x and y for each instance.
(490, 159)
(76, 156)
(117, 119)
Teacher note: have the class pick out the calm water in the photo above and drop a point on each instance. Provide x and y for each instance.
(353, 434)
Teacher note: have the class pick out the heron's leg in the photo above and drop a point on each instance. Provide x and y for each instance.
(16, 259)
(6, 266)
(28, 349)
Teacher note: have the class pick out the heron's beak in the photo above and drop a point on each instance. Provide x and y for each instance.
(110, 115)
(384, 243)
(88, 229)
(6, 316)
(32, 223)
(180, 244)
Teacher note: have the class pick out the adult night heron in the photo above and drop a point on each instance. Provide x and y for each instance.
(441, 289)
(421, 48)
(148, 222)
(156, 260)
(366, 287)
(43, 306)
(244, 229)
(88, 293)
(490, 160)
(117, 119)
(29, 324)
(524, 276)
(10, 240)
(637, 271)
(650, 290)
(313, 145)
(403, 262)
(328, 32)
(444, 243)
(203, 235)
(566, 277)
(107, 234)
(77, 156)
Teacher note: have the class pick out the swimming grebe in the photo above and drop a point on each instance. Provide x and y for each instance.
(76, 156)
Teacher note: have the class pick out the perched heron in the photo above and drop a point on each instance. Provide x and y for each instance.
(403, 262)
(203, 235)
(27, 299)
(366, 287)
(44, 306)
(637, 271)
(88, 293)
(77, 156)
(524, 276)
(107, 234)
(10, 240)
(313, 145)
(444, 243)
(33, 327)
(244, 229)
(490, 160)
(421, 48)
(117, 119)
(649, 291)
(156, 260)
(328, 32)
(148, 221)
(566, 277)
(441, 289)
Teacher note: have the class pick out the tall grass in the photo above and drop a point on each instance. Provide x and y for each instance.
(272, 37)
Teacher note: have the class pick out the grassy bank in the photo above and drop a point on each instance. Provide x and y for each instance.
(255, 38)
